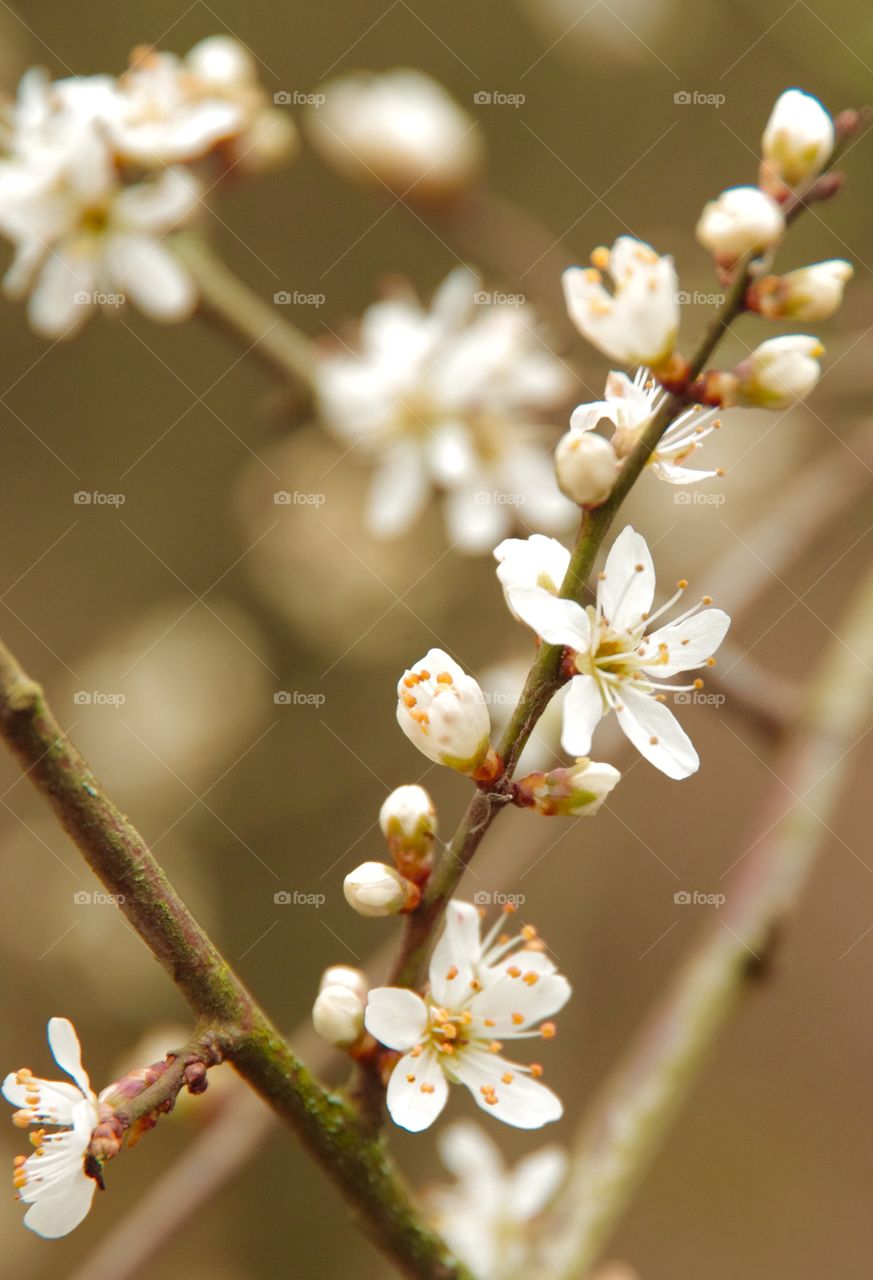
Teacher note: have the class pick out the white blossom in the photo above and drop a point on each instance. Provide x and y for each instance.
(629, 406)
(586, 467)
(742, 220)
(345, 975)
(408, 822)
(486, 1215)
(375, 889)
(579, 791)
(450, 399)
(639, 321)
(482, 992)
(338, 1015)
(797, 142)
(780, 371)
(443, 712)
(809, 294)
(400, 129)
(618, 663)
(53, 1180)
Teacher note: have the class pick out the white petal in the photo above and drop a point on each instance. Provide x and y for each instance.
(535, 1179)
(626, 592)
(585, 417)
(643, 718)
(56, 1098)
(475, 520)
(556, 621)
(67, 1052)
(524, 1102)
(583, 708)
(689, 643)
(409, 1106)
(54, 1216)
(673, 473)
(398, 491)
(396, 1017)
(471, 1156)
(536, 561)
(151, 276)
(55, 308)
(458, 948)
(505, 999)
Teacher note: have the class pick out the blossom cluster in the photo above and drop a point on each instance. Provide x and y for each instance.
(96, 171)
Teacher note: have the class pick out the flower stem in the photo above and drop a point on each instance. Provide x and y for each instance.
(118, 855)
(627, 1122)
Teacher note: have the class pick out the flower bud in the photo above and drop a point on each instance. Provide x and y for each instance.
(742, 220)
(338, 1016)
(575, 792)
(797, 142)
(375, 889)
(443, 712)
(400, 129)
(780, 371)
(344, 975)
(586, 467)
(408, 822)
(809, 294)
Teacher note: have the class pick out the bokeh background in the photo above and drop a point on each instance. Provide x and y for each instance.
(198, 600)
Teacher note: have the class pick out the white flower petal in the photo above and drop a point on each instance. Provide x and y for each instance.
(67, 1052)
(586, 417)
(554, 620)
(415, 1104)
(56, 1098)
(657, 734)
(475, 519)
(627, 587)
(523, 1103)
(398, 491)
(689, 643)
(534, 1181)
(673, 473)
(458, 949)
(469, 1154)
(151, 276)
(536, 561)
(54, 1216)
(54, 308)
(507, 999)
(396, 1017)
(583, 708)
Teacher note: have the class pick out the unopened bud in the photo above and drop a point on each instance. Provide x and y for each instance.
(408, 822)
(375, 889)
(338, 1016)
(809, 294)
(586, 467)
(578, 791)
(780, 371)
(345, 975)
(797, 142)
(742, 220)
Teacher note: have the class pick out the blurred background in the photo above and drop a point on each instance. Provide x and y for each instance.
(198, 599)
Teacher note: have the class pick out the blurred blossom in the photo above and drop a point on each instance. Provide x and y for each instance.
(797, 142)
(398, 129)
(780, 371)
(193, 695)
(638, 322)
(622, 31)
(486, 1215)
(742, 220)
(450, 398)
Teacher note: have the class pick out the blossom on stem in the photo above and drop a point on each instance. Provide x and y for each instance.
(482, 991)
(487, 1214)
(616, 663)
(57, 1181)
(375, 889)
(399, 129)
(809, 294)
(780, 371)
(742, 220)
(636, 324)
(408, 822)
(797, 142)
(443, 712)
(586, 467)
(629, 405)
(576, 792)
(338, 1015)
(450, 399)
